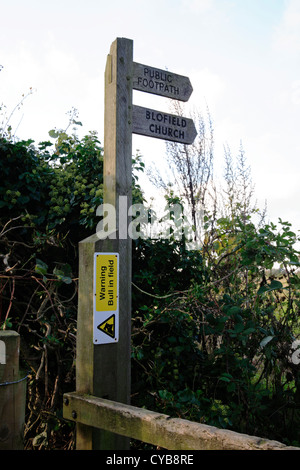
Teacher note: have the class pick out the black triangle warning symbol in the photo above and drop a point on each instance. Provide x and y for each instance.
(108, 326)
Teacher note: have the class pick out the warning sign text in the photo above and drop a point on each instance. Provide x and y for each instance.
(106, 283)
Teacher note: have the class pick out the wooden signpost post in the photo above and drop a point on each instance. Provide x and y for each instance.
(104, 298)
(103, 367)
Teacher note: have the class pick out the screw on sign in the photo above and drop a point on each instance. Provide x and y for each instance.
(108, 326)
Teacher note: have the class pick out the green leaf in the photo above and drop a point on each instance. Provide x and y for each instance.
(274, 285)
(294, 263)
(165, 395)
(234, 310)
(23, 199)
(41, 267)
(238, 327)
(231, 387)
(226, 377)
(265, 341)
(53, 133)
(248, 331)
(61, 276)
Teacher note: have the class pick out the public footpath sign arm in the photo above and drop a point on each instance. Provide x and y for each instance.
(161, 82)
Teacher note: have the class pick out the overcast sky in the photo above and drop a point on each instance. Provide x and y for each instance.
(242, 57)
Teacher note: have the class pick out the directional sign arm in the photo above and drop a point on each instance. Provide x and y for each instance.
(161, 82)
(162, 125)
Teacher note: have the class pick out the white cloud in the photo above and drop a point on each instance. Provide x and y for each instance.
(287, 36)
(208, 87)
(291, 95)
(198, 6)
(59, 81)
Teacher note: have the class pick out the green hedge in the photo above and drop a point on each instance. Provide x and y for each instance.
(212, 330)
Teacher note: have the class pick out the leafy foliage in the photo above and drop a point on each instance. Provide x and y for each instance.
(46, 198)
(212, 329)
(219, 351)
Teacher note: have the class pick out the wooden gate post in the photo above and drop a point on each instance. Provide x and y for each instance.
(103, 370)
(12, 393)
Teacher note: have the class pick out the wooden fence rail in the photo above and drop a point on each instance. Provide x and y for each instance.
(158, 429)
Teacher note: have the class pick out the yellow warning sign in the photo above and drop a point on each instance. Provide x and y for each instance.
(106, 282)
(108, 326)
(106, 301)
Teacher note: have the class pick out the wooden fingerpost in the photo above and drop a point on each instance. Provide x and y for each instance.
(103, 370)
(12, 393)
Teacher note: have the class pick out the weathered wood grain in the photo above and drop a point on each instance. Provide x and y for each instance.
(161, 82)
(159, 429)
(161, 125)
(104, 370)
(12, 394)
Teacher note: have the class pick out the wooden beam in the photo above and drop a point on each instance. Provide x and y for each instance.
(159, 429)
